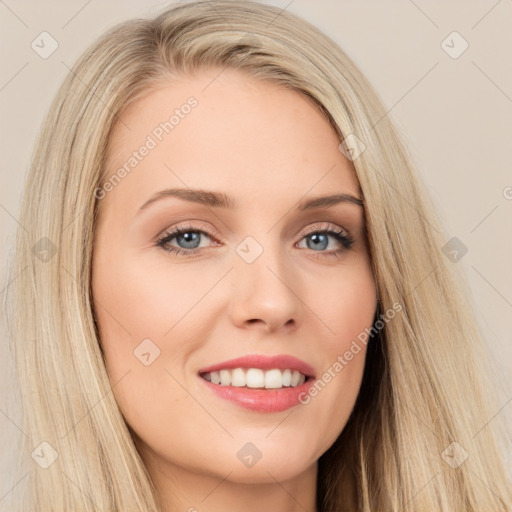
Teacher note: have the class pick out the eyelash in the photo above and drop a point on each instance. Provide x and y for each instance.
(342, 236)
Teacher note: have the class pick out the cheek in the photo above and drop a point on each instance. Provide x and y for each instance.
(148, 317)
(347, 309)
(135, 308)
(347, 304)
(135, 301)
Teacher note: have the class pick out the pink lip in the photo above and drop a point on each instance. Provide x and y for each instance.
(271, 400)
(281, 362)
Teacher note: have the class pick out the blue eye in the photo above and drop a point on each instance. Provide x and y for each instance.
(188, 236)
(189, 240)
(320, 240)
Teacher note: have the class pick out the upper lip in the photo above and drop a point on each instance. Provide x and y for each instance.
(281, 362)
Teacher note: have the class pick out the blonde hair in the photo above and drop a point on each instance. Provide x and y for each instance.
(423, 386)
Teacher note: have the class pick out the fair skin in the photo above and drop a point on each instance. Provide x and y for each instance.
(269, 149)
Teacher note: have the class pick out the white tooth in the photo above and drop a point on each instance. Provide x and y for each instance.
(273, 379)
(225, 377)
(287, 378)
(255, 378)
(238, 378)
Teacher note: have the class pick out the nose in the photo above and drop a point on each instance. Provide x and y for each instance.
(266, 293)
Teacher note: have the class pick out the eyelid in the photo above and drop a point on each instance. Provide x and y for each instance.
(326, 226)
(211, 232)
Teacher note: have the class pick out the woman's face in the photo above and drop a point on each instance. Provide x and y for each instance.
(252, 275)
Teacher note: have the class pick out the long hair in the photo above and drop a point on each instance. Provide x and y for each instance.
(424, 401)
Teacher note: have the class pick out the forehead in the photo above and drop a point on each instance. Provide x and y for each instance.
(223, 129)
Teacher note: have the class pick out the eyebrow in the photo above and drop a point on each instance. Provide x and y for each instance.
(221, 200)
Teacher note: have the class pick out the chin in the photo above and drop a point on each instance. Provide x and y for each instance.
(268, 472)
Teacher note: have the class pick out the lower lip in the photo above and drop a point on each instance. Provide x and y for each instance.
(271, 400)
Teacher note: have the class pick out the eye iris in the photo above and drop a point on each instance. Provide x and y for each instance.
(189, 237)
(316, 238)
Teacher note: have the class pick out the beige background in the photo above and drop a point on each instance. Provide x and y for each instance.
(455, 115)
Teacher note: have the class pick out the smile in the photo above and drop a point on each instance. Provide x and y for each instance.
(259, 382)
(256, 378)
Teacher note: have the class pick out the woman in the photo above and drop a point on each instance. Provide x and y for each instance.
(235, 289)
